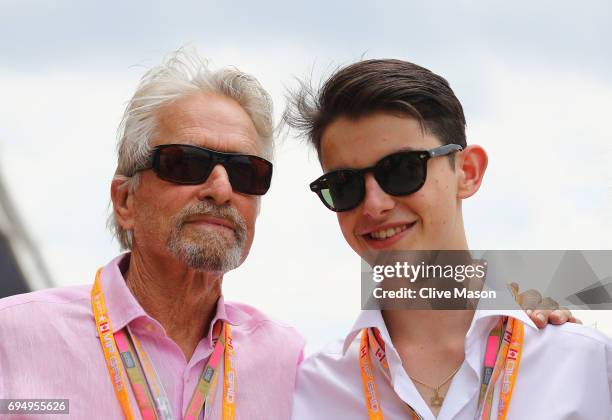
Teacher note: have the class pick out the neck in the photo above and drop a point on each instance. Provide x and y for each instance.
(437, 328)
(443, 329)
(182, 300)
(431, 346)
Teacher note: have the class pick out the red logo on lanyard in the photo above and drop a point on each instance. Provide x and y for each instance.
(363, 352)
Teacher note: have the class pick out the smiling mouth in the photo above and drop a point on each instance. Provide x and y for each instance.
(383, 234)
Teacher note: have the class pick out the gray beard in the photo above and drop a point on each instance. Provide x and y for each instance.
(209, 251)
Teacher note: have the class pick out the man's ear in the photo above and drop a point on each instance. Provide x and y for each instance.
(122, 203)
(471, 164)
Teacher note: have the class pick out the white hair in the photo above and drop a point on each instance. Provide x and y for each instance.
(181, 74)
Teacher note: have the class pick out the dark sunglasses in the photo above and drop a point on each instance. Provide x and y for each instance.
(191, 165)
(399, 173)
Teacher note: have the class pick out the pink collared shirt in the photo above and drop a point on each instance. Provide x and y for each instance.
(49, 348)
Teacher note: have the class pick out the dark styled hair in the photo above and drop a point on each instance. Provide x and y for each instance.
(377, 85)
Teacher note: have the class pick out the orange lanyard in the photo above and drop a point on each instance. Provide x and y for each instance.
(367, 375)
(123, 352)
(508, 359)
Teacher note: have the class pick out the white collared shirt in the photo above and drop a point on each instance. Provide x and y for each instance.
(565, 373)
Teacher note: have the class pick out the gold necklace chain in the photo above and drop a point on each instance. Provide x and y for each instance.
(437, 399)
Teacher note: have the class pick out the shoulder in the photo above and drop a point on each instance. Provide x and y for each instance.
(574, 335)
(48, 307)
(252, 319)
(328, 383)
(331, 360)
(268, 353)
(576, 361)
(579, 343)
(261, 328)
(48, 342)
(575, 347)
(53, 296)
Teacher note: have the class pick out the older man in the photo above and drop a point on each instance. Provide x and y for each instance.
(153, 337)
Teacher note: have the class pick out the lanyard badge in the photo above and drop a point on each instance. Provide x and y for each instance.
(126, 360)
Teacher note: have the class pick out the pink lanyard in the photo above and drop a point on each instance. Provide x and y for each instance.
(124, 355)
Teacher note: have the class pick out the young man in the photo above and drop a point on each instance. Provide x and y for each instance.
(381, 129)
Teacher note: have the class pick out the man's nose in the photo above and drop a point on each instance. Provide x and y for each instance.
(217, 187)
(376, 201)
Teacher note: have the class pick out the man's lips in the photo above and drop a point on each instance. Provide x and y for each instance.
(210, 220)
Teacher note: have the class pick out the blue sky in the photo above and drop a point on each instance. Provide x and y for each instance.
(535, 81)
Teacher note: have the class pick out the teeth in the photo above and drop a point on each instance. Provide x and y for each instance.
(387, 233)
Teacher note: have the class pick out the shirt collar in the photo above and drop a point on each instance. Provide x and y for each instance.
(122, 306)
(124, 309)
(368, 318)
(490, 308)
(373, 319)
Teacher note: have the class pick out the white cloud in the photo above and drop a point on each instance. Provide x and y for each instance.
(548, 183)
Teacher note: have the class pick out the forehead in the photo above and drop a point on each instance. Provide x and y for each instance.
(209, 120)
(361, 142)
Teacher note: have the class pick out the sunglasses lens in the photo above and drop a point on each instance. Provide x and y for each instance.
(249, 174)
(183, 164)
(186, 164)
(401, 173)
(342, 190)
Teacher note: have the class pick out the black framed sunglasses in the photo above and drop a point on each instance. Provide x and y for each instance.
(400, 173)
(191, 165)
